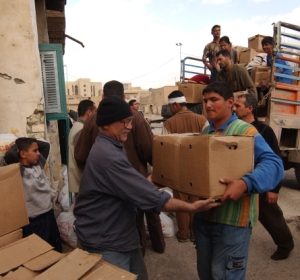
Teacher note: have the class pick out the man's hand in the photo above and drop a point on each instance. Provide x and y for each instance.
(209, 66)
(234, 190)
(204, 205)
(149, 178)
(271, 197)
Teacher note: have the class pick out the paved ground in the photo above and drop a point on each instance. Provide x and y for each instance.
(179, 259)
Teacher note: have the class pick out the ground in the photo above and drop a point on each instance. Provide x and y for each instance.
(178, 262)
(179, 259)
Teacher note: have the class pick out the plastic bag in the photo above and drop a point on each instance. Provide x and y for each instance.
(65, 223)
(63, 197)
(167, 225)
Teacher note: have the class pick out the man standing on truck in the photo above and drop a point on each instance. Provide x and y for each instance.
(210, 51)
(222, 234)
(270, 214)
(183, 121)
(235, 75)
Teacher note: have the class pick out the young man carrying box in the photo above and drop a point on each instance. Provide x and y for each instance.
(222, 234)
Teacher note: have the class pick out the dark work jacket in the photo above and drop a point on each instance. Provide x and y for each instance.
(268, 134)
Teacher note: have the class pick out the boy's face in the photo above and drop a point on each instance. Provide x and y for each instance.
(31, 156)
(267, 48)
(218, 109)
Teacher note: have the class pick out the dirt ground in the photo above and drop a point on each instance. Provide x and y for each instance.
(179, 260)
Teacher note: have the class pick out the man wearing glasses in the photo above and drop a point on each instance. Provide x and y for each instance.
(110, 191)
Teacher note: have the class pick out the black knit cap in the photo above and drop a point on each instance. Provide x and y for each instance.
(111, 109)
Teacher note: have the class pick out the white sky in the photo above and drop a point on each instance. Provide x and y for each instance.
(135, 40)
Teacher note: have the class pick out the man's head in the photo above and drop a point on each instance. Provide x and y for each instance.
(114, 118)
(245, 107)
(28, 150)
(86, 108)
(218, 99)
(177, 101)
(134, 104)
(113, 88)
(223, 59)
(225, 43)
(216, 31)
(267, 45)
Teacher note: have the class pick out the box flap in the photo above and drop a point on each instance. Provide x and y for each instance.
(11, 237)
(21, 273)
(106, 271)
(19, 252)
(71, 267)
(43, 261)
(13, 211)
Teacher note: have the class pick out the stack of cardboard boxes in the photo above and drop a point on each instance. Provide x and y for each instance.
(33, 258)
(254, 48)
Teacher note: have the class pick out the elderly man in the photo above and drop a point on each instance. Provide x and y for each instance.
(222, 234)
(138, 147)
(110, 191)
(235, 75)
(183, 121)
(270, 214)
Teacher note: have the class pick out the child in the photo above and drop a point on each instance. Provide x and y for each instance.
(32, 154)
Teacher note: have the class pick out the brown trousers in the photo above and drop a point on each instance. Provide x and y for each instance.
(184, 219)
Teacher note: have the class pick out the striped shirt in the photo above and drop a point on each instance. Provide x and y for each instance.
(245, 210)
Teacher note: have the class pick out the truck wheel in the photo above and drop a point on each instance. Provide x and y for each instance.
(297, 172)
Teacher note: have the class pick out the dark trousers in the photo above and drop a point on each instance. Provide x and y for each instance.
(45, 227)
(155, 231)
(271, 217)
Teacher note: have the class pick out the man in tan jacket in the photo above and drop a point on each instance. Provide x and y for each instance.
(183, 121)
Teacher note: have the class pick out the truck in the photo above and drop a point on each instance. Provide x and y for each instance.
(279, 106)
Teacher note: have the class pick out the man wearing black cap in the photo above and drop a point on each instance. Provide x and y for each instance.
(110, 191)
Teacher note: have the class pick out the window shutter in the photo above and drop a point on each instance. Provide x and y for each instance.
(50, 81)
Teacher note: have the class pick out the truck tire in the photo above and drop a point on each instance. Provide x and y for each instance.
(297, 172)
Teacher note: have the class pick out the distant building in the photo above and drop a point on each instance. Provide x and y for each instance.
(83, 88)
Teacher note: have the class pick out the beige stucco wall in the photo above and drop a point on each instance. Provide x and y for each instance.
(20, 83)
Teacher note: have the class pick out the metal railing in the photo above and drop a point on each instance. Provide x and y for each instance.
(188, 68)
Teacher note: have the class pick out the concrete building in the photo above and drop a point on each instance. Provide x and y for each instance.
(84, 88)
(159, 97)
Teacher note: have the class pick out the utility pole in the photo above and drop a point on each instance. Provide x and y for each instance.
(179, 45)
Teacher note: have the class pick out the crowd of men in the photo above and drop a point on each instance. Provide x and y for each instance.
(110, 149)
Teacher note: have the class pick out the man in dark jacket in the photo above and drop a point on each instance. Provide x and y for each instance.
(270, 214)
(138, 147)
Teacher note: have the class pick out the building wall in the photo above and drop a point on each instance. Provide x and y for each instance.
(84, 88)
(20, 73)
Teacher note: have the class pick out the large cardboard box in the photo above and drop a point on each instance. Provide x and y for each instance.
(254, 42)
(33, 258)
(260, 73)
(247, 54)
(192, 92)
(13, 211)
(194, 164)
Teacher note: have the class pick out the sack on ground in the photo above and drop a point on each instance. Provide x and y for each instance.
(65, 223)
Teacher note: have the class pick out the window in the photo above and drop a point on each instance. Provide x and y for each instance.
(76, 90)
(125, 86)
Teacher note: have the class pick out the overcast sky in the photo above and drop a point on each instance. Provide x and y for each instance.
(135, 40)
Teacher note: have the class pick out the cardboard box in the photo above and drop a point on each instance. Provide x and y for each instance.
(11, 237)
(192, 92)
(194, 164)
(247, 54)
(260, 73)
(254, 42)
(13, 211)
(33, 258)
(239, 49)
